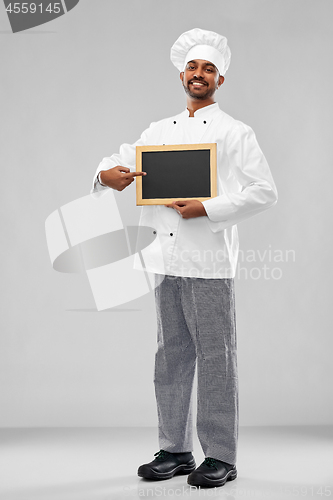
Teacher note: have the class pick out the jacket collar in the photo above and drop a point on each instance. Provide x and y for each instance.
(205, 112)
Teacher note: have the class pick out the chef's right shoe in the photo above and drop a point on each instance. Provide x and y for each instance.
(167, 465)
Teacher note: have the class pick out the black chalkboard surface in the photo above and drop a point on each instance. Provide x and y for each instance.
(175, 172)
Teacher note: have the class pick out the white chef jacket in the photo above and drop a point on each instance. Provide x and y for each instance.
(207, 246)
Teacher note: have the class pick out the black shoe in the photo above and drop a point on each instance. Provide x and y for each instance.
(212, 473)
(167, 465)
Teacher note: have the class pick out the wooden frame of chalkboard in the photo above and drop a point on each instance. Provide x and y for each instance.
(175, 172)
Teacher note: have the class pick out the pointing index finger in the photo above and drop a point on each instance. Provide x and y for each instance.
(135, 174)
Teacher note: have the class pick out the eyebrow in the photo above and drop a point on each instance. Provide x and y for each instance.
(206, 64)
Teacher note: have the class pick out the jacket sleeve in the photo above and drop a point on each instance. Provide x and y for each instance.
(248, 187)
(126, 158)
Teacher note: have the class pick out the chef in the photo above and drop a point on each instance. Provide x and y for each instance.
(195, 302)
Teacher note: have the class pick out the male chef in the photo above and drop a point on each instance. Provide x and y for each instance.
(195, 302)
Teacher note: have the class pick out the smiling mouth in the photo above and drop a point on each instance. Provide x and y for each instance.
(198, 84)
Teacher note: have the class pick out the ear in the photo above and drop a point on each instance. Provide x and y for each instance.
(221, 80)
(181, 76)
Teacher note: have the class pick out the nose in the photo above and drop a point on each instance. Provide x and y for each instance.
(198, 73)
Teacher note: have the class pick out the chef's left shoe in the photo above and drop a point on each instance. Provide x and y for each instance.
(212, 473)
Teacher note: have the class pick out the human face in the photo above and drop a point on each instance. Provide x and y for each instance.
(201, 79)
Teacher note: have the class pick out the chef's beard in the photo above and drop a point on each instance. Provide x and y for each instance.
(193, 95)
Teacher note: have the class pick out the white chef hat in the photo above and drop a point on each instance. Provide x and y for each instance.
(201, 44)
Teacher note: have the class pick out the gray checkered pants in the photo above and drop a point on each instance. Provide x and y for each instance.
(196, 326)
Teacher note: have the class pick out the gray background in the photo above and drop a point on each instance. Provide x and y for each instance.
(72, 91)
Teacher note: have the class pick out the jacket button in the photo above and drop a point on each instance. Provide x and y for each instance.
(174, 123)
(154, 232)
(171, 234)
(205, 122)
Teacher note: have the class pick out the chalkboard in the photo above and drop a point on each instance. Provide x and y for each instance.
(175, 172)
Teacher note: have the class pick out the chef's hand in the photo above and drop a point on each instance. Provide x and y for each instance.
(118, 177)
(188, 208)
